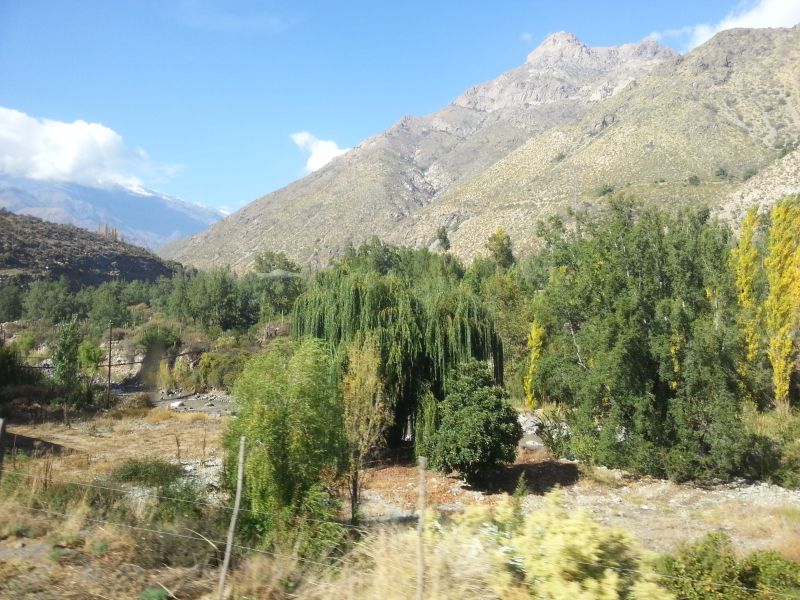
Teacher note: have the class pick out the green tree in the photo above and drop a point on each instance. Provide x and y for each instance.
(639, 314)
(443, 239)
(366, 411)
(290, 412)
(108, 306)
(274, 284)
(500, 249)
(10, 301)
(65, 362)
(478, 430)
(49, 300)
(89, 356)
(425, 321)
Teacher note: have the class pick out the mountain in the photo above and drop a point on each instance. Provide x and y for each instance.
(141, 216)
(559, 132)
(778, 180)
(32, 248)
(391, 176)
(691, 132)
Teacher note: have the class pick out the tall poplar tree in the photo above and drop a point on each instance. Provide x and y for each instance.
(782, 306)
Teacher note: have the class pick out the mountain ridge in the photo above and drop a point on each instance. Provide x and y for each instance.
(391, 175)
(141, 216)
(553, 134)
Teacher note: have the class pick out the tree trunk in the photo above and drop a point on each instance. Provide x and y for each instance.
(354, 496)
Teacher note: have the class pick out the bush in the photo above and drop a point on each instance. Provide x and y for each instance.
(290, 414)
(478, 431)
(708, 569)
(605, 190)
(220, 369)
(693, 180)
(147, 472)
(159, 338)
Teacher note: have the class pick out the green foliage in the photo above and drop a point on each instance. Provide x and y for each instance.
(693, 180)
(24, 343)
(708, 569)
(500, 249)
(219, 370)
(152, 593)
(65, 356)
(148, 472)
(10, 301)
(290, 413)
(108, 306)
(641, 341)
(89, 356)
(276, 283)
(49, 300)
(425, 321)
(478, 430)
(11, 369)
(443, 239)
(159, 338)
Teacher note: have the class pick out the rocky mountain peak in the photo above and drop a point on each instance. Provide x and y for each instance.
(561, 44)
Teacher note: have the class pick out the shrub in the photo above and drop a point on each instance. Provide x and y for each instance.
(693, 180)
(220, 369)
(147, 472)
(708, 569)
(290, 414)
(604, 190)
(479, 430)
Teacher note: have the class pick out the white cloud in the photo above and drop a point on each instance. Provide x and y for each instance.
(79, 152)
(751, 14)
(526, 38)
(321, 152)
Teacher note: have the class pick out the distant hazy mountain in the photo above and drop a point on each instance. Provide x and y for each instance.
(141, 216)
(388, 178)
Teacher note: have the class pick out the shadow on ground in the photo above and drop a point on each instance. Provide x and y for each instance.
(30, 446)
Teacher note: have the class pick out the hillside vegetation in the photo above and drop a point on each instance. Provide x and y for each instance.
(31, 248)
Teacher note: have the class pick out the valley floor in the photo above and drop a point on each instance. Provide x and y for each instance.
(49, 556)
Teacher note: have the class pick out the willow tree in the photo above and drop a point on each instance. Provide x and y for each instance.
(782, 306)
(413, 304)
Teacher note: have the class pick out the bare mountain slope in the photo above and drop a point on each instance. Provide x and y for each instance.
(391, 176)
(690, 132)
(780, 179)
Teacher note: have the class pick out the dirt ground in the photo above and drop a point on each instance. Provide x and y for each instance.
(659, 514)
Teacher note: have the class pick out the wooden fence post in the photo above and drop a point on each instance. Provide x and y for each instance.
(232, 528)
(422, 464)
(108, 387)
(2, 447)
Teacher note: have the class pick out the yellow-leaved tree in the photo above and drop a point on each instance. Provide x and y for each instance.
(782, 306)
(535, 344)
(748, 269)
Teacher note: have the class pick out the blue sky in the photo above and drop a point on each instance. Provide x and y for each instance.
(201, 98)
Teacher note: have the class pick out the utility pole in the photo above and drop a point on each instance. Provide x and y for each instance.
(108, 387)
